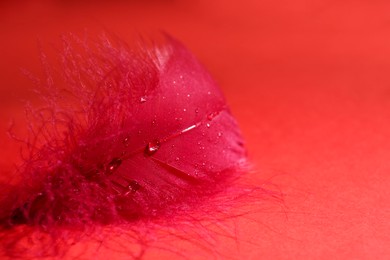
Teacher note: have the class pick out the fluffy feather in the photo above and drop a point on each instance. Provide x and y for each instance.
(126, 135)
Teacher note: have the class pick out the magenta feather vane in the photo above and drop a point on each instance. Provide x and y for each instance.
(125, 135)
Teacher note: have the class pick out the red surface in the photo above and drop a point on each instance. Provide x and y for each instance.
(308, 82)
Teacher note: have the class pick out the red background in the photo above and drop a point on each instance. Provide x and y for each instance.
(308, 82)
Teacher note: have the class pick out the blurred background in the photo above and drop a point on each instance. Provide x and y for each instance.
(307, 80)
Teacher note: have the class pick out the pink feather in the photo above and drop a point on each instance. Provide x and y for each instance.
(125, 135)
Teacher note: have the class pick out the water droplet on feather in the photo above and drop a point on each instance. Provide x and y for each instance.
(134, 186)
(126, 142)
(152, 147)
(113, 165)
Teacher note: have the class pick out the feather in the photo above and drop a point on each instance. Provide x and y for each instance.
(125, 135)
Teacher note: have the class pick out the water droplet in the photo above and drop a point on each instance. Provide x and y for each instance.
(126, 142)
(184, 110)
(209, 93)
(152, 147)
(208, 125)
(219, 134)
(189, 95)
(134, 186)
(113, 165)
(177, 159)
(197, 110)
(181, 76)
(143, 99)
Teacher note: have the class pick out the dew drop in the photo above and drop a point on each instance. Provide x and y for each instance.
(184, 109)
(208, 125)
(212, 115)
(134, 186)
(152, 147)
(143, 99)
(126, 142)
(219, 134)
(113, 165)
